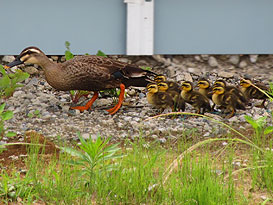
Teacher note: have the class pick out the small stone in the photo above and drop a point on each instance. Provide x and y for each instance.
(188, 77)
(253, 58)
(55, 58)
(141, 95)
(31, 70)
(192, 70)
(124, 60)
(131, 92)
(198, 58)
(264, 198)
(205, 57)
(234, 59)
(225, 74)
(212, 61)
(104, 102)
(171, 71)
(243, 64)
(8, 59)
(180, 78)
(162, 140)
(85, 136)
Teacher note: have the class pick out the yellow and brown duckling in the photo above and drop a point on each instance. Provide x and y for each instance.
(179, 103)
(171, 84)
(233, 89)
(196, 99)
(88, 72)
(204, 87)
(161, 100)
(227, 100)
(252, 92)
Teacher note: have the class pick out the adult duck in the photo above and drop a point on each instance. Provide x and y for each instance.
(88, 72)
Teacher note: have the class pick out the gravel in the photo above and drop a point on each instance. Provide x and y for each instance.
(55, 119)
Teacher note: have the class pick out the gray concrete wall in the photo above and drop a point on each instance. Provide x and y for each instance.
(181, 26)
(213, 26)
(89, 25)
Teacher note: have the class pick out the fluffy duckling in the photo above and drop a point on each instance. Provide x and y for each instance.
(160, 100)
(179, 103)
(196, 99)
(252, 92)
(171, 84)
(233, 89)
(205, 88)
(227, 100)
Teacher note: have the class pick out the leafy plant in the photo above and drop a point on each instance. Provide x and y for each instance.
(36, 113)
(4, 116)
(259, 125)
(68, 54)
(93, 155)
(9, 82)
(100, 53)
(146, 68)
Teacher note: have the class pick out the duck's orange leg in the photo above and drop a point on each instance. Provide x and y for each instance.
(120, 100)
(88, 104)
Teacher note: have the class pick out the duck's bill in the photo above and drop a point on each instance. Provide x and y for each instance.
(16, 62)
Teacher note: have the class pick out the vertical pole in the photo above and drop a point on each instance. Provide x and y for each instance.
(140, 27)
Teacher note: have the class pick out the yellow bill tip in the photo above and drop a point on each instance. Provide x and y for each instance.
(6, 67)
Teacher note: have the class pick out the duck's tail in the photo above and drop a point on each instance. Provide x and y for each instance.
(135, 76)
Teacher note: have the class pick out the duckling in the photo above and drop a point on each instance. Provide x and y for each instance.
(171, 84)
(196, 99)
(160, 100)
(88, 72)
(205, 88)
(179, 103)
(227, 100)
(228, 88)
(254, 93)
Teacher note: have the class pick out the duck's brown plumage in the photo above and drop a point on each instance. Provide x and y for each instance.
(88, 72)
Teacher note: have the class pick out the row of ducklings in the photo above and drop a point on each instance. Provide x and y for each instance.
(163, 94)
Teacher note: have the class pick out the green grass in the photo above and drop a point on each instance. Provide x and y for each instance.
(143, 172)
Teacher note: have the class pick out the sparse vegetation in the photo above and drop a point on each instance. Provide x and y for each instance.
(141, 171)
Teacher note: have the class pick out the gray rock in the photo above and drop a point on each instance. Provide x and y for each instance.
(205, 57)
(54, 58)
(8, 59)
(188, 77)
(31, 70)
(162, 140)
(212, 61)
(243, 64)
(234, 59)
(124, 60)
(225, 74)
(253, 58)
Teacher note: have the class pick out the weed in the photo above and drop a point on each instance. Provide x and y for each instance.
(96, 155)
(9, 82)
(5, 115)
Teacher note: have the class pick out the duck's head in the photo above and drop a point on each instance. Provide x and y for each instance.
(30, 55)
(160, 78)
(162, 86)
(246, 82)
(219, 83)
(203, 83)
(152, 88)
(218, 90)
(187, 86)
